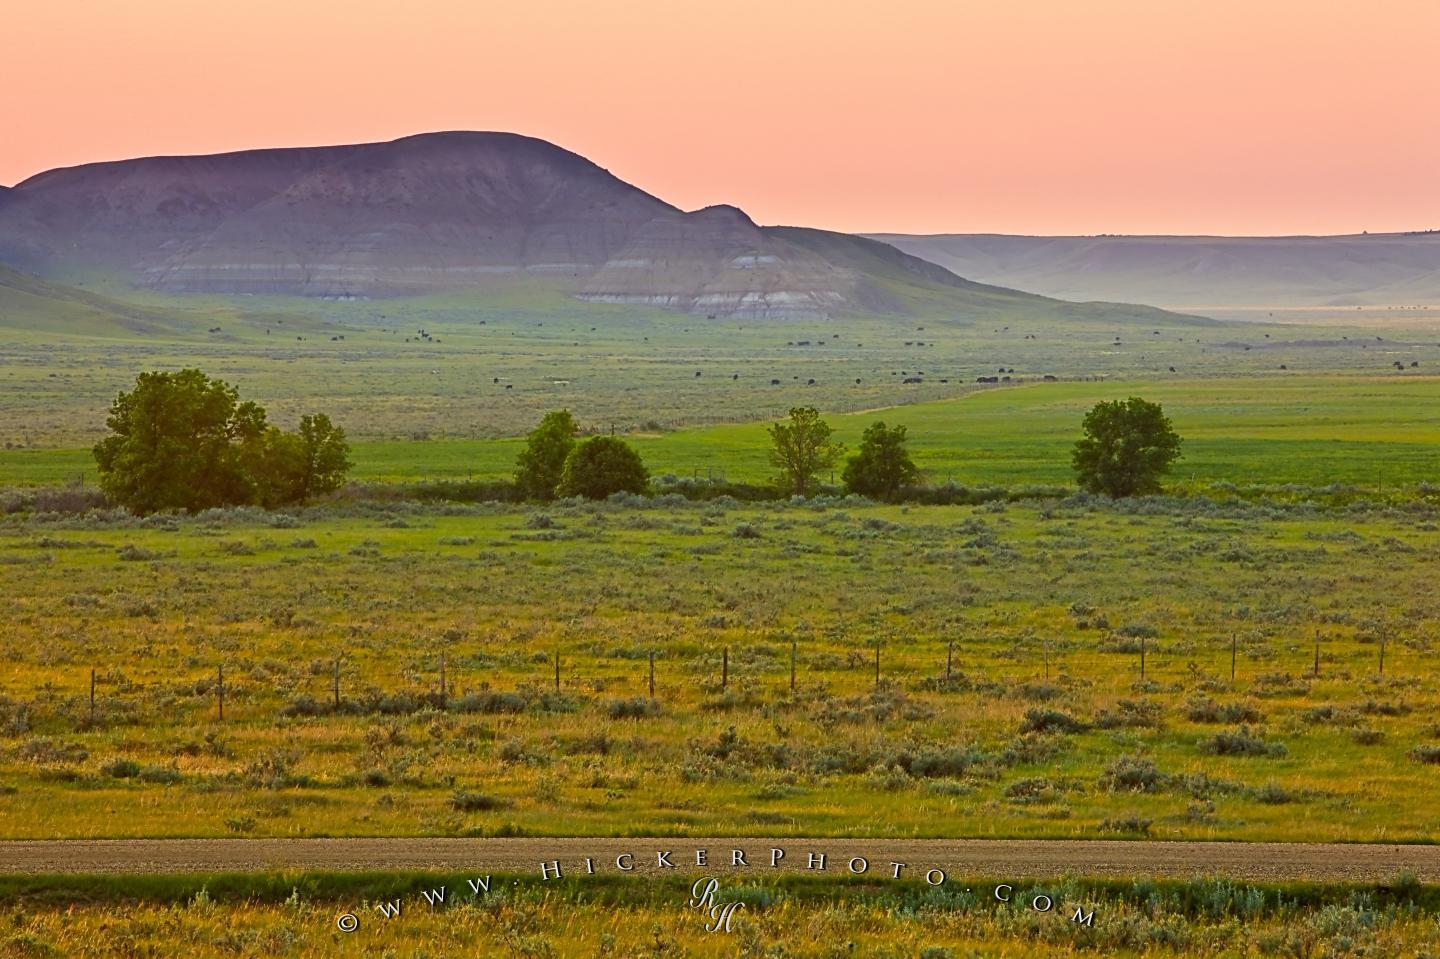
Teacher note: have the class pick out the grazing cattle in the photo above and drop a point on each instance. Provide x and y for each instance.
(774, 382)
(912, 379)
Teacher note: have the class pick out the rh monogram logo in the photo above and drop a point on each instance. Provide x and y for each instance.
(702, 897)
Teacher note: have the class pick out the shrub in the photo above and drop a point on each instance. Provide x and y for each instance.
(1033, 790)
(135, 554)
(490, 702)
(1133, 774)
(1241, 742)
(1426, 754)
(160, 775)
(1274, 794)
(463, 801)
(1203, 709)
(636, 707)
(121, 769)
(1131, 714)
(40, 749)
(1132, 824)
(1050, 720)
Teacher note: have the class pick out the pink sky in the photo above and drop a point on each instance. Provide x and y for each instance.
(1020, 116)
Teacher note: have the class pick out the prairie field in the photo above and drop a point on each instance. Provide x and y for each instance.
(291, 915)
(1250, 657)
(458, 368)
(1010, 699)
(1370, 432)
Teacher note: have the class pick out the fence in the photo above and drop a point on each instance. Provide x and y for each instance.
(1134, 664)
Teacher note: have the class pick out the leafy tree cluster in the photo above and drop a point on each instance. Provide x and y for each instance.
(185, 441)
(553, 463)
(1127, 446)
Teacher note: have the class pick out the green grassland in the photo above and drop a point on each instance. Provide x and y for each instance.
(1310, 430)
(1045, 726)
(490, 367)
(297, 916)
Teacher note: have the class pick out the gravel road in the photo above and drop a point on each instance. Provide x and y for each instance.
(986, 858)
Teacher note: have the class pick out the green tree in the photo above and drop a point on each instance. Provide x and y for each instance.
(177, 441)
(600, 466)
(542, 462)
(1128, 445)
(293, 467)
(801, 449)
(185, 441)
(882, 465)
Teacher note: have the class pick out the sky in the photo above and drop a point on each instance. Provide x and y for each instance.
(921, 116)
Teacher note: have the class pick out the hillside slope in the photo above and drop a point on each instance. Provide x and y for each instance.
(1194, 272)
(451, 212)
(29, 303)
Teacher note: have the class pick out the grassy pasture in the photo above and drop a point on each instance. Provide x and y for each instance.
(489, 368)
(297, 916)
(1364, 431)
(1047, 604)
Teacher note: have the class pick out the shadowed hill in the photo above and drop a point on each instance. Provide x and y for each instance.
(458, 211)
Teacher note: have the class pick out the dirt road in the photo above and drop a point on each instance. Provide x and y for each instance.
(981, 858)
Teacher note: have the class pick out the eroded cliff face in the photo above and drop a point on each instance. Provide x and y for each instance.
(428, 214)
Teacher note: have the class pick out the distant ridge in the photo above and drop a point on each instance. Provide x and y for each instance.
(1194, 272)
(461, 211)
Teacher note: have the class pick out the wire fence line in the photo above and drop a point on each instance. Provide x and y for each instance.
(1139, 665)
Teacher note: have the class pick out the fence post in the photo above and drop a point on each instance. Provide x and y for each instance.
(220, 691)
(794, 644)
(92, 694)
(557, 670)
(652, 674)
(1317, 654)
(1232, 659)
(1382, 655)
(725, 668)
(949, 659)
(336, 682)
